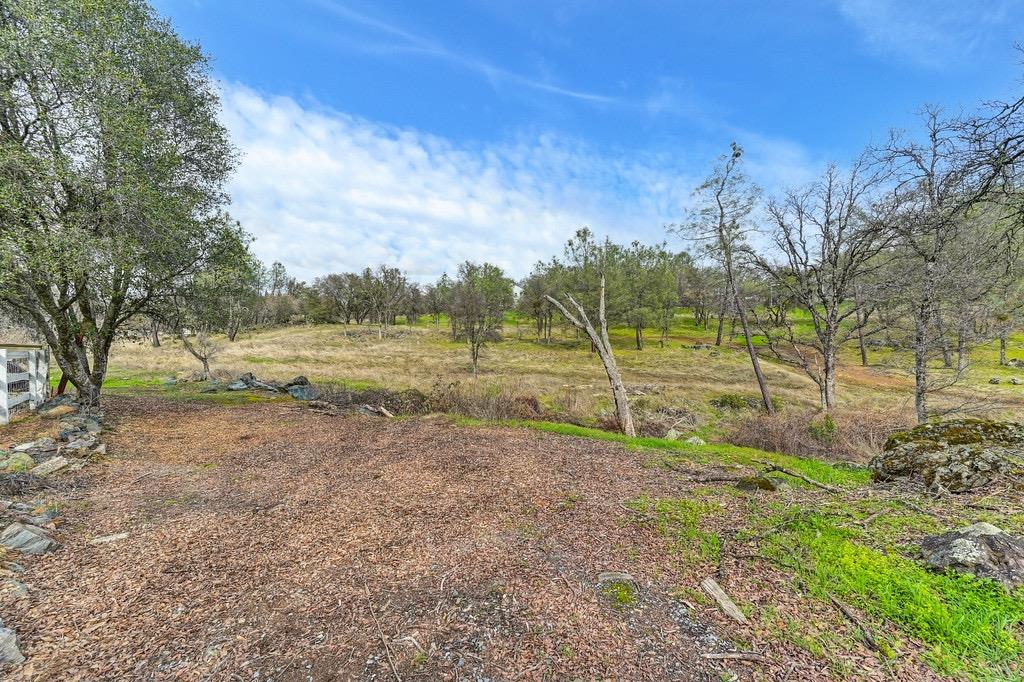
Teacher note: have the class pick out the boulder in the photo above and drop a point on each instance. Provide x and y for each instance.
(9, 651)
(298, 381)
(982, 550)
(27, 538)
(17, 462)
(994, 380)
(695, 440)
(304, 392)
(1015, 381)
(238, 386)
(957, 455)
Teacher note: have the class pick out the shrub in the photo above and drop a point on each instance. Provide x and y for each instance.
(844, 434)
(483, 401)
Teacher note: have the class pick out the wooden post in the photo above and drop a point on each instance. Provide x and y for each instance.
(5, 415)
(37, 381)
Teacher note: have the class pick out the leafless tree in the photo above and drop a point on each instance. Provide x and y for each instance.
(828, 242)
(957, 236)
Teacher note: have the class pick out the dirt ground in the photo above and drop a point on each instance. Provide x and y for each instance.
(270, 542)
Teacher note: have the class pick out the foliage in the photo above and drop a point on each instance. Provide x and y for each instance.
(112, 167)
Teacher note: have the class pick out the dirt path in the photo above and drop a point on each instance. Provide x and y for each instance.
(269, 542)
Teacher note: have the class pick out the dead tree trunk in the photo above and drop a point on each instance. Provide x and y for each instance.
(604, 349)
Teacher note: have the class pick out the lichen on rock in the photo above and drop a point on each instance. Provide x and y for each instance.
(957, 455)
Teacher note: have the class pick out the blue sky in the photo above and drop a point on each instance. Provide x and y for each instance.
(424, 133)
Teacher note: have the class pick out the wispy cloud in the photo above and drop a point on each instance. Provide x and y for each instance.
(389, 37)
(324, 191)
(931, 33)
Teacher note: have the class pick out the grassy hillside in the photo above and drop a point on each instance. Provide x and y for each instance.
(564, 374)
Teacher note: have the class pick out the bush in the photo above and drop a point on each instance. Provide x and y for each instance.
(736, 401)
(483, 401)
(844, 434)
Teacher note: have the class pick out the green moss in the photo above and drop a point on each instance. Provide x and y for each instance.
(621, 593)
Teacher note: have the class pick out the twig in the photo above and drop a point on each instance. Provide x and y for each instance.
(145, 475)
(864, 523)
(846, 611)
(796, 474)
(380, 633)
(736, 656)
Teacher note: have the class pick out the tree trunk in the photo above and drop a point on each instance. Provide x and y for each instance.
(1002, 349)
(921, 370)
(154, 333)
(639, 337)
(742, 313)
(829, 382)
(962, 353)
(861, 321)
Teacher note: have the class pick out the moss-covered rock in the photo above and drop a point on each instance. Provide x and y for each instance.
(17, 462)
(956, 455)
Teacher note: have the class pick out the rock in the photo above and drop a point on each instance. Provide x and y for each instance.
(1016, 382)
(57, 411)
(41, 445)
(304, 392)
(50, 466)
(100, 449)
(210, 389)
(9, 651)
(298, 381)
(768, 483)
(994, 380)
(28, 539)
(982, 550)
(170, 381)
(238, 386)
(957, 455)
(17, 462)
(1014, 362)
(80, 444)
(695, 440)
(108, 538)
(222, 375)
(13, 589)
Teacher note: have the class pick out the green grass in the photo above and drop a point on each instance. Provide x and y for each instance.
(680, 520)
(972, 627)
(672, 452)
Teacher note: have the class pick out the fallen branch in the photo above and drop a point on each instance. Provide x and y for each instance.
(736, 656)
(796, 474)
(869, 639)
(380, 633)
(728, 605)
(864, 523)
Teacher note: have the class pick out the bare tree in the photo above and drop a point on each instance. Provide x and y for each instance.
(603, 345)
(956, 239)
(727, 199)
(828, 243)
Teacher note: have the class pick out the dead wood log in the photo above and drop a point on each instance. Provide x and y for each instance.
(728, 605)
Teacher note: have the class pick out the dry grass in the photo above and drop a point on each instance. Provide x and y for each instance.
(845, 435)
(564, 373)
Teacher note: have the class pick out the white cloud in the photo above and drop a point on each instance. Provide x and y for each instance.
(929, 32)
(323, 191)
